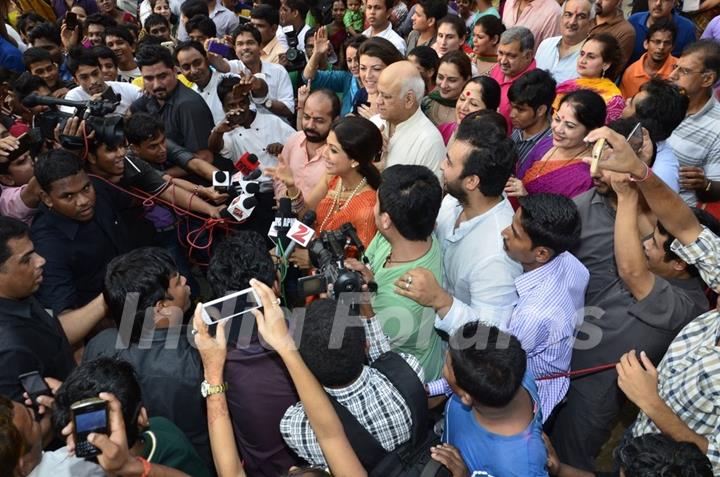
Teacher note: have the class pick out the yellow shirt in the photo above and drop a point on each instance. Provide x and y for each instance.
(272, 51)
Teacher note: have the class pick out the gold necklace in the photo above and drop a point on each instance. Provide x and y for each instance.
(336, 200)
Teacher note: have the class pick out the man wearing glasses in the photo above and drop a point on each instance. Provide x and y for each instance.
(696, 141)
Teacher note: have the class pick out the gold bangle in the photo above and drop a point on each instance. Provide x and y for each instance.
(295, 197)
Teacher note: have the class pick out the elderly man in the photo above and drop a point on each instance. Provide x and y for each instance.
(515, 58)
(609, 19)
(539, 16)
(412, 138)
(558, 55)
(661, 10)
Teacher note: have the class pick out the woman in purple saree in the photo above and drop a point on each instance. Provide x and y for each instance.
(555, 164)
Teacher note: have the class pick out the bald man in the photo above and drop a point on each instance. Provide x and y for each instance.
(412, 138)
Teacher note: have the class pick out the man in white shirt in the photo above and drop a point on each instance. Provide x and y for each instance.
(377, 14)
(280, 99)
(243, 130)
(558, 54)
(412, 138)
(479, 275)
(85, 68)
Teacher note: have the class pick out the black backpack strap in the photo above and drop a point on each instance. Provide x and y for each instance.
(367, 448)
(406, 381)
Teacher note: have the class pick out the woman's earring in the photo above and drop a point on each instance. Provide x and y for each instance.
(603, 73)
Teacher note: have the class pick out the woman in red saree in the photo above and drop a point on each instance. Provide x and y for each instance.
(348, 191)
(555, 164)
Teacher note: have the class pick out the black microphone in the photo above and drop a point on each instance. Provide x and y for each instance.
(309, 220)
(283, 220)
(34, 99)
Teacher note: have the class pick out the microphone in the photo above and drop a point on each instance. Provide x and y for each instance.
(283, 221)
(309, 220)
(247, 163)
(240, 208)
(34, 99)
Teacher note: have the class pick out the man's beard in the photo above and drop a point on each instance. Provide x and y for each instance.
(456, 190)
(313, 136)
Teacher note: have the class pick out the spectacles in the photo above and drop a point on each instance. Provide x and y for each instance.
(684, 71)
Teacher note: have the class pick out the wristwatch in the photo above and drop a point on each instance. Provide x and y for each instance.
(268, 103)
(207, 389)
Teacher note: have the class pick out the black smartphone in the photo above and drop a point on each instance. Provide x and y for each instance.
(89, 415)
(71, 21)
(34, 385)
(26, 142)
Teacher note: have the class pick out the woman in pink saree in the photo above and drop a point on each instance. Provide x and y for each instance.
(555, 164)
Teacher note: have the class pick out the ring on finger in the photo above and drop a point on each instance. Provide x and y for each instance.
(407, 285)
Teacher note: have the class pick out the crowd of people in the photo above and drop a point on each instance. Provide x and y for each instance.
(514, 206)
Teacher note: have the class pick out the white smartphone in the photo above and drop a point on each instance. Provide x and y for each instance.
(230, 306)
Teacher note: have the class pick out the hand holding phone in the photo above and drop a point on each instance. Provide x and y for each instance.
(35, 386)
(230, 306)
(71, 21)
(89, 416)
(219, 48)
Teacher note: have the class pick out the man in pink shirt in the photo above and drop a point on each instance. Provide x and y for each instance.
(303, 151)
(541, 17)
(515, 58)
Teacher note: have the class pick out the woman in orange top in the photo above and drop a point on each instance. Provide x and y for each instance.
(347, 193)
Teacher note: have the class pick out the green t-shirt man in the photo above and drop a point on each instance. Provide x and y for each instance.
(409, 326)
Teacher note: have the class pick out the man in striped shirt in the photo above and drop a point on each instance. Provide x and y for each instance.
(551, 289)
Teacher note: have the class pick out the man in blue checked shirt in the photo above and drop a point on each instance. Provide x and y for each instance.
(551, 289)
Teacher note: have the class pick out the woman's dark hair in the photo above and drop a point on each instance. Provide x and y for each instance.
(491, 25)
(380, 48)
(427, 57)
(589, 108)
(490, 91)
(461, 62)
(457, 23)
(350, 42)
(362, 141)
(610, 53)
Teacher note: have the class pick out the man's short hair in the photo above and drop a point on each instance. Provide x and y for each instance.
(706, 220)
(47, 31)
(81, 56)
(237, 259)
(189, 45)
(27, 83)
(35, 55)
(149, 55)
(658, 454)
(120, 31)
(329, 95)
(225, 86)
(155, 19)
(12, 443)
(27, 19)
(436, 9)
(105, 374)
(55, 165)
(204, 24)
(143, 126)
(190, 8)
(10, 229)
(102, 51)
(456, 22)
(247, 28)
(99, 19)
(492, 157)
(520, 34)
(266, 13)
(550, 220)
(663, 108)
(145, 272)
(411, 195)
(709, 50)
(662, 25)
(336, 358)
(487, 363)
(300, 5)
(535, 88)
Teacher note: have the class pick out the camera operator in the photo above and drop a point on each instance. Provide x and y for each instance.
(292, 14)
(280, 99)
(85, 68)
(243, 129)
(25, 85)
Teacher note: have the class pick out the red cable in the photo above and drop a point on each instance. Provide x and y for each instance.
(577, 372)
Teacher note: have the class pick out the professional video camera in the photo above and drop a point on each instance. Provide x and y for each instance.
(295, 57)
(97, 115)
(327, 254)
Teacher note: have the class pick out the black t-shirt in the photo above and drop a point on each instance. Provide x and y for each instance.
(141, 175)
(30, 340)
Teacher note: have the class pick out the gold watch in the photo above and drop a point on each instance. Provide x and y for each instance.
(207, 389)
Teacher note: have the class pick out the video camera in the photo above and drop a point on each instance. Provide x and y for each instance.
(327, 254)
(97, 115)
(295, 56)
